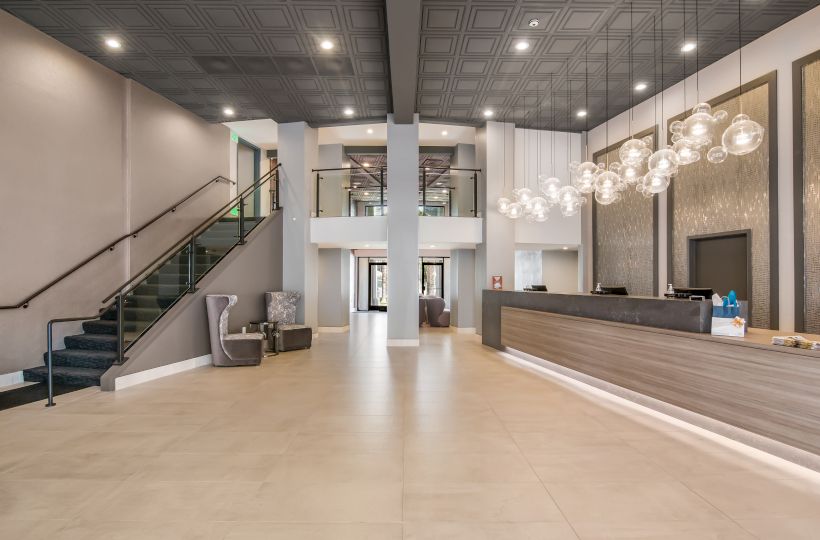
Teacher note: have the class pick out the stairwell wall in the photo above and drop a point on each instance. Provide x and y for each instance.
(85, 156)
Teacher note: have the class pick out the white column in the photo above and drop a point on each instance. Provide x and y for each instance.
(402, 233)
(495, 151)
(298, 154)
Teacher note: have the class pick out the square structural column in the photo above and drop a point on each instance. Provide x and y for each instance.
(298, 154)
(403, 233)
(495, 154)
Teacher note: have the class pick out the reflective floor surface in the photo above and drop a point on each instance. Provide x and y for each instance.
(350, 440)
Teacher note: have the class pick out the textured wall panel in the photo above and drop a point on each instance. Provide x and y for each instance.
(730, 196)
(624, 240)
(811, 194)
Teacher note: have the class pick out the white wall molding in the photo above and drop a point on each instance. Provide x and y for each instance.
(10, 379)
(402, 343)
(161, 371)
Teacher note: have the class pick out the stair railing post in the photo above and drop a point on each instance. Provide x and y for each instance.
(424, 192)
(192, 265)
(50, 380)
(120, 328)
(318, 210)
(276, 182)
(475, 194)
(381, 189)
(241, 220)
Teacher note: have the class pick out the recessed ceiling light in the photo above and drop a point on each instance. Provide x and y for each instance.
(565, 248)
(533, 23)
(366, 164)
(348, 112)
(488, 113)
(370, 131)
(641, 86)
(444, 133)
(228, 111)
(113, 43)
(522, 45)
(581, 114)
(688, 47)
(432, 245)
(326, 44)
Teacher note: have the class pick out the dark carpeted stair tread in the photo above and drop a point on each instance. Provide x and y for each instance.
(100, 327)
(151, 300)
(82, 358)
(69, 376)
(92, 342)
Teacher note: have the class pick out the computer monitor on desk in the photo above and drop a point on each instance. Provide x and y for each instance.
(689, 292)
(617, 291)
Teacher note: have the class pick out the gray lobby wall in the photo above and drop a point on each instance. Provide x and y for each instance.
(81, 165)
(247, 271)
(559, 270)
(332, 195)
(334, 287)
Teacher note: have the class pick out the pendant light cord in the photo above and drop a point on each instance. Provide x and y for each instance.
(569, 122)
(586, 99)
(685, 101)
(606, 92)
(697, 50)
(631, 74)
(739, 58)
(552, 125)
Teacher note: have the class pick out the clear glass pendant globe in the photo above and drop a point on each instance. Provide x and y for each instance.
(606, 197)
(550, 187)
(607, 181)
(503, 205)
(633, 152)
(718, 154)
(539, 205)
(541, 218)
(630, 174)
(523, 195)
(529, 218)
(686, 154)
(585, 177)
(699, 129)
(656, 182)
(743, 136)
(676, 126)
(665, 160)
(515, 211)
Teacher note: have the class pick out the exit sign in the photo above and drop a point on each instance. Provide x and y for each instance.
(234, 137)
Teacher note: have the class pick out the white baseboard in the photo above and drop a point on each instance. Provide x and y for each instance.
(163, 371)
(464, 330)
(334, 329)
(402, 343)
(10, 379)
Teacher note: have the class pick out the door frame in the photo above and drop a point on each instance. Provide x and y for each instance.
(257, 156)
(421, 276)
(370, 306)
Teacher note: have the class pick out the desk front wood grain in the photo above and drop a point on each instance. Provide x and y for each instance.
(768, 390)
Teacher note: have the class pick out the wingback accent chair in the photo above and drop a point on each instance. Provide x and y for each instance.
(437, 316)
(230, 349)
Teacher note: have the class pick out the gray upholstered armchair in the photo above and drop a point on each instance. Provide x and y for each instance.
(437, 316)
(281, 306)
(230, 349)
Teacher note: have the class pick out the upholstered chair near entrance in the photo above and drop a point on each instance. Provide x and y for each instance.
(230, 349)
(437, 315)
(281, 307)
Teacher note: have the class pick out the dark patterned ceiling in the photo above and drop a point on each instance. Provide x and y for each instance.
(263, 56)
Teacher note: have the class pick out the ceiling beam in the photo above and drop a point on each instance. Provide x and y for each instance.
(403, 34)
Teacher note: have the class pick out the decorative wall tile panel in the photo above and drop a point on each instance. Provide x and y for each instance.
(811, 195)
(625, 240)
(730, 196)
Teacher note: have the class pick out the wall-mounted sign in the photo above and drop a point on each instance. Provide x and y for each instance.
(498, 283)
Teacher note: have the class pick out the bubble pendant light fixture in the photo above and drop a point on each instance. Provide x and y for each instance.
(608, 183)
(570, 198)
(584, 174)
(687, 149)
(505, 205)
(663, 163)
(744, 135)
(550, 185)
(634, 151)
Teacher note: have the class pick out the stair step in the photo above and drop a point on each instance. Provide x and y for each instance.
(69, 376)
(101, 327)
(92, 342)
(82, 358)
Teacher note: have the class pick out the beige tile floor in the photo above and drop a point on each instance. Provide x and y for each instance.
(351, 440)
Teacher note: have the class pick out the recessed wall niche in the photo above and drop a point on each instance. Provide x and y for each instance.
(738, 194)
(624, 235)
(806, 102)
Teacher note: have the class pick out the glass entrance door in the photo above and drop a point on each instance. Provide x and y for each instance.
(432, 279)
(377, 289)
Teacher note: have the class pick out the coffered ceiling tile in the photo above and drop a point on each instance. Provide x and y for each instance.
(234, 84)
(373, 85)
(462, 100)
(510, 67)
(266, 17)
(549, 66)
(585, 20)
(313, 100)
(200, 83)
(269, 83)
(142, 65)
(372, 66)
(364, 18)
(223, 17)
(306, 84)
(429, 112)
(429, 84)
(565, 46)
(546, 19)
(333, 66)
(286, 44)
(339, 85)
(473, 67)
(344, 99)
(502, 85)
(200, 43)
(256, 65)
(243, 44)
(467, 84)
(295, 66)
(181, 65)
(488, 19)
(158, 43)
(438, 18)
(367, 45)
(480, 45)
(434, 66)
(78, 43)
(132, 17)
(436, 44)
(85, 17)
(38, 17)
(430, 99)
(319, 18)
(177, 17)
(376, 99)
(217, 65)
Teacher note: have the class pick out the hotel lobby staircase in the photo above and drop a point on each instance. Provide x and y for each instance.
(151, 293)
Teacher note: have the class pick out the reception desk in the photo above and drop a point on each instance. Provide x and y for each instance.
(658, 351)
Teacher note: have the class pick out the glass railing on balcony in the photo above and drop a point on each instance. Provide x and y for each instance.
(363, 191)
